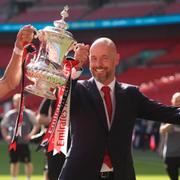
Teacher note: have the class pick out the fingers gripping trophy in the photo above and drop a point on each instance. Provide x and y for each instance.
(46, 70)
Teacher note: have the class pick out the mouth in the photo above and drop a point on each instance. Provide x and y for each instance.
(99, 70)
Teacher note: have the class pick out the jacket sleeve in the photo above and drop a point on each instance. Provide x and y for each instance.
(155, 111)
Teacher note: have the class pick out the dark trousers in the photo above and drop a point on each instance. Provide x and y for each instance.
(172, 167)
(55, 163)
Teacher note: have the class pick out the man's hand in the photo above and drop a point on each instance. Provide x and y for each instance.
(25, 35)
(81, 53)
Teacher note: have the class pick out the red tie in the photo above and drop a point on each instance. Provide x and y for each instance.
(107, 98)
(108, 102)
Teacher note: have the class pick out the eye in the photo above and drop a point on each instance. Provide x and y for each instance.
(93, 59)
(105, 58)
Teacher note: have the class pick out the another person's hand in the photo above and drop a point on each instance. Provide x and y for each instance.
(25, 35)
(81, 53)
(8, 139)
(166, 128)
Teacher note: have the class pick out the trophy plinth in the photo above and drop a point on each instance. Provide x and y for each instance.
(46, 71)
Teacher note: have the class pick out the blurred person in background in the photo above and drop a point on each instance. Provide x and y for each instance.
(29, 128)
(53, 163)
(12, 74)
(171, 144)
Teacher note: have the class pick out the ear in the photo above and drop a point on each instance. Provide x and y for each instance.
(117, 58)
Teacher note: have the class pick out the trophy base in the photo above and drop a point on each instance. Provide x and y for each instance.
(45, 94)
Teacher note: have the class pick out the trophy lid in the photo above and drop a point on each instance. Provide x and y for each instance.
(61, 23)
(60, 26)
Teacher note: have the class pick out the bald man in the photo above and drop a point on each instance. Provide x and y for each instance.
(29, 127)
(103, 114)
(171, 149)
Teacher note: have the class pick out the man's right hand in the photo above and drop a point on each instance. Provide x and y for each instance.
(25, 35)
(81, 53)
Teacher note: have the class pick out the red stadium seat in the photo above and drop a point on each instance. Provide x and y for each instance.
(173, 8)
(122, 10)
(48, 14)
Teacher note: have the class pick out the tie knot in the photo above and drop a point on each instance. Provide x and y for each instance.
(105, 89)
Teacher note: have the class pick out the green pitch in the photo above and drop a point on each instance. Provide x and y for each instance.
(36, 177)
(148, 165)
(38, 159)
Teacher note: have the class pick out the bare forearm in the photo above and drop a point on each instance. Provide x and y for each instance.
(35, 129)
(166, 128)
(5, 134)
(12, 75)
(43, 119)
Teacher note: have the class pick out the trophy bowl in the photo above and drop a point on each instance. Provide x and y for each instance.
(46, 70)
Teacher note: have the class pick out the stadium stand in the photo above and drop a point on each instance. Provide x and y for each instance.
(173, 8)
(61, 2)
(3, 10)
(170, 57)
(48, 14)
(123, 10)
(147, 62)
(130, 48)
(3, 3)
(162, 89)
(138, 75)
(5, 54)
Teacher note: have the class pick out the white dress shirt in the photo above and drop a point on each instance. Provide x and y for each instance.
(104, 167)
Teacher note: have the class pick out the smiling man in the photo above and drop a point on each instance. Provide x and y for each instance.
(103, 114)
(103, 60)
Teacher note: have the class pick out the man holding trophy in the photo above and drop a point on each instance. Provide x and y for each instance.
(102, 117)
(101, 111)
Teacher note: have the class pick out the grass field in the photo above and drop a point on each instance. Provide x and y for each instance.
(36, 177)
(148, 165)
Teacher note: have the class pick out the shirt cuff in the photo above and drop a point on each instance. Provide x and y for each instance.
(76, 74)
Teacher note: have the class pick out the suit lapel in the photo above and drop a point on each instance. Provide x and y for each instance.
(97, 102)
(119, 102)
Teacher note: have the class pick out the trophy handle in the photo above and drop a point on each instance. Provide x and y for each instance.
(46, 69)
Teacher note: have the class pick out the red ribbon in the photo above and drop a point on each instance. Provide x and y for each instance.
(49, 137)
(19, 119)
(49, 132)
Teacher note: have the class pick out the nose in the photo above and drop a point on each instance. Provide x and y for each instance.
(98, 62)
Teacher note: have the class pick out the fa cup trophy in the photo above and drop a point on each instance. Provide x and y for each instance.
(46, 70)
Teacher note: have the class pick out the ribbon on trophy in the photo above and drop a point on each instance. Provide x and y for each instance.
(29, 48)
(62, 129)
(56, 136)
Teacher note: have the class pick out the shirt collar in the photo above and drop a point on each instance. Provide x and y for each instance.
(100, 85)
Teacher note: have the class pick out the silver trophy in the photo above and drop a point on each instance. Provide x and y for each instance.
(46, 70)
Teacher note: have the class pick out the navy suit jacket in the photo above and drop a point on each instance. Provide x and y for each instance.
(90, 135)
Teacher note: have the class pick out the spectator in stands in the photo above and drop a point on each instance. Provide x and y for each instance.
(12, 75)
(102, 122)
(29, 127)
(171, 148)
